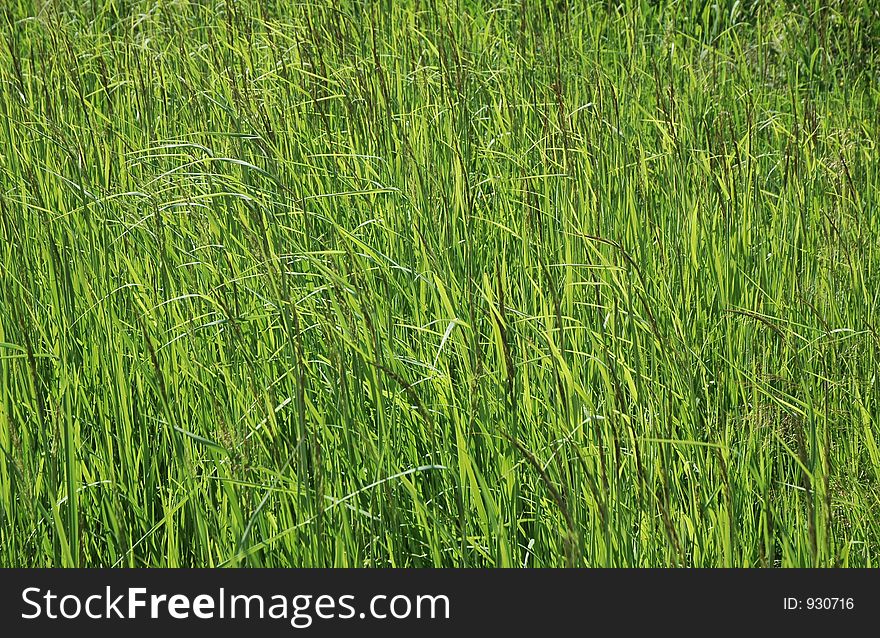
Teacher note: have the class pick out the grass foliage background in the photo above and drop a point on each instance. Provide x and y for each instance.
(435, 283)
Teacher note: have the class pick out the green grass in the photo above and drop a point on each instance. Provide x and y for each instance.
(439, 284)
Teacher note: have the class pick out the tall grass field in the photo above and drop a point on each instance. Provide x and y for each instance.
(414, 283)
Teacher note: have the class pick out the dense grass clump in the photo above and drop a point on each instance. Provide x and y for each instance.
(439, 283)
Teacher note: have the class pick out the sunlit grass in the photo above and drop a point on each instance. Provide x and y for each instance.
(434, 283)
